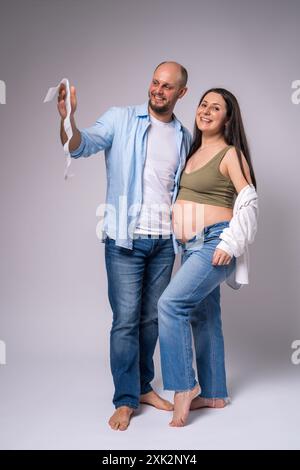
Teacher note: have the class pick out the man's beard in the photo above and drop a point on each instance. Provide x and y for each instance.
(159, 109)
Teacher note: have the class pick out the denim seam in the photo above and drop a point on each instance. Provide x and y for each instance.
(188, 361)
(213, 355)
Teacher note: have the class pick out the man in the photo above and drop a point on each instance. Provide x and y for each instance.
(145, 149)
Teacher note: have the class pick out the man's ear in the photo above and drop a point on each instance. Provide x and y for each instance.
(182, 92)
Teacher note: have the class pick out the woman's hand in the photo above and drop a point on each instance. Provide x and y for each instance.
(220, 257)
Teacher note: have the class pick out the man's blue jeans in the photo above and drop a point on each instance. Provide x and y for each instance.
(136, 280)
(193, 299)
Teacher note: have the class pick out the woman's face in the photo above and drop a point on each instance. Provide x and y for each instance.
(211, 114)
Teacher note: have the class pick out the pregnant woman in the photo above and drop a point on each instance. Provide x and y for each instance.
(214, 220)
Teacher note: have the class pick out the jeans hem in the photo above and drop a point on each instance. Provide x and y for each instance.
(226, 398)
(126, 403)
(188, 389)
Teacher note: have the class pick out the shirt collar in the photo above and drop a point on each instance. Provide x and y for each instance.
(142, 110)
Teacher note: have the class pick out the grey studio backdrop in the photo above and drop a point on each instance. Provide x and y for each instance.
(56, 388)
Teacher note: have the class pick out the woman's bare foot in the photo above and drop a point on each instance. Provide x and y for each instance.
(182, 403)
(121, 418)
(200, 402)
(152, 398)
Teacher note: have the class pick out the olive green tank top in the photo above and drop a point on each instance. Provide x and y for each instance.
(207, 185)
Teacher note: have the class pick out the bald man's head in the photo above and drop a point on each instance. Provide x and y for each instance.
(167, 86)
(177, 69)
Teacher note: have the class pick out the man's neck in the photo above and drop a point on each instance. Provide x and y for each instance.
(168, 117)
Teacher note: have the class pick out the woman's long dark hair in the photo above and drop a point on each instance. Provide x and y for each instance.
(234, 132)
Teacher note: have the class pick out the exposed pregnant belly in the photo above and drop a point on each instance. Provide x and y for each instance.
(189, 218)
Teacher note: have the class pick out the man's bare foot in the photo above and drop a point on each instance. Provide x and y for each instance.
(152, 398)
(121, 418)
(182, 403)
(200, 402)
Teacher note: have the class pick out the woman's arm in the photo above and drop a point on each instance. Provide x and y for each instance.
(233, 170)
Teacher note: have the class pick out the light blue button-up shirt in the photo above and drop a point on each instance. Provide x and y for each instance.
(122, 134)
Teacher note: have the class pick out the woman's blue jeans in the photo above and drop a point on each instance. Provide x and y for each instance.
(191, 304)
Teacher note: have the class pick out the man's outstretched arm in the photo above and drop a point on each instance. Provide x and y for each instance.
(90, 140)
(61, 106)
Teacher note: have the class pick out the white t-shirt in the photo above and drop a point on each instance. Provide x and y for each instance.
(162, 161)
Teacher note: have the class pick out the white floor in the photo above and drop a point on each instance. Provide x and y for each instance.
(66, 405)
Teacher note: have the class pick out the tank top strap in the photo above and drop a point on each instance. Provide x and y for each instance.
(221, 155)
